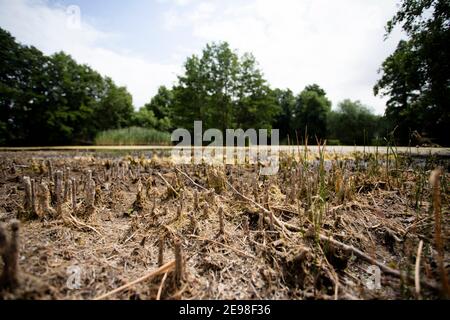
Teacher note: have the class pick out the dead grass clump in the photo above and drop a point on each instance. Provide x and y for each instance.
(173, 186)
(309, 232)
(216, 178)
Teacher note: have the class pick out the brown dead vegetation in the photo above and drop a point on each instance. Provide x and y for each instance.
(142, 228)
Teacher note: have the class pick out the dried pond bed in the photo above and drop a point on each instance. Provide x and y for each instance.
(129, 227)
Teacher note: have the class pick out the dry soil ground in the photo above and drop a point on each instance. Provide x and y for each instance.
(327, 226)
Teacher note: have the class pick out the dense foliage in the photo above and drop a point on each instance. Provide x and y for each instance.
(354, 124)
(48, 100)
(224, 91)
(416, 77)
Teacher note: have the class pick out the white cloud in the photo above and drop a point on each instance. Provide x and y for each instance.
(180, 3)
(34, 22)
(337, 44)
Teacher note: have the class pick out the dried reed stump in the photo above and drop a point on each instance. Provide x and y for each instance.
(90, 197)
(179, 263)
(9, 250)
(43, 198)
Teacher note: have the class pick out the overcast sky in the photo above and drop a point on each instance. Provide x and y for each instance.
(141, 44)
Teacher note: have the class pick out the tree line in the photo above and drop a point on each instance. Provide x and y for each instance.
(50, 100)
(226, 90)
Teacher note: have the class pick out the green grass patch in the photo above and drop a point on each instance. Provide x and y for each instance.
(133, 136)
(333, 142)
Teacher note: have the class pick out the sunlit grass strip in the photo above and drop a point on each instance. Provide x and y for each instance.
(132, 136)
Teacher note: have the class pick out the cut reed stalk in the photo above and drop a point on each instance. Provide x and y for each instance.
(58, 191)
(435, 181)
(179, 263)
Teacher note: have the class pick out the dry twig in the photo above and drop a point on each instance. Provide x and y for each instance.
(169, 266)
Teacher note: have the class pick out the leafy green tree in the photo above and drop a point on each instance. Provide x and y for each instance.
(401, 83)
(284, 120)
(144, 118)
(23, 79)
(115, 109)
(354, 124)
(190, 95)
(53, 99)
(74, 90)
(220, 68)
(255, 105)
(311, 112)
(317, 89)
(160, 108)
(223, 90)
(416, 77)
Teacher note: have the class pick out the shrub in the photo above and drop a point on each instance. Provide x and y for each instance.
(133, 136)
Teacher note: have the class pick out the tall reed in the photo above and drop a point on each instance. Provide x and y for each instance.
(133, 136)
